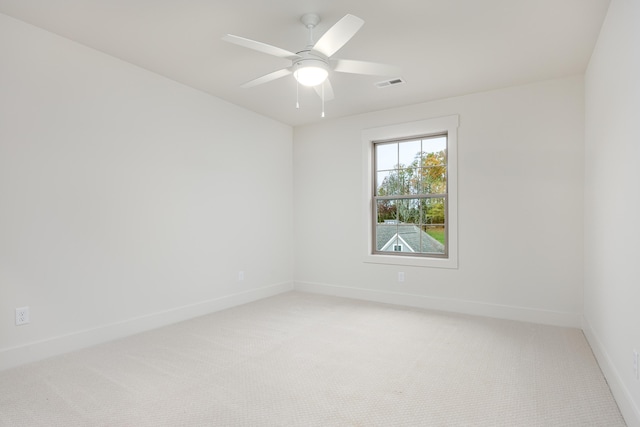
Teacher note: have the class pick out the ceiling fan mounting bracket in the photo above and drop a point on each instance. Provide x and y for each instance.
(310, 20)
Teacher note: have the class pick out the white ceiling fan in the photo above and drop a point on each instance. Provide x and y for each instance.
(311, 65)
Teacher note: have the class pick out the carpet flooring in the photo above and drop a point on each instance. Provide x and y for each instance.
(300, 359)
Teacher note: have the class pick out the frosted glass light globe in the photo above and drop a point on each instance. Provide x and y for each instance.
(310, 75)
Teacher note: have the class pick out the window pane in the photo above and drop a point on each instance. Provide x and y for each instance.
(434, 211)
(386, 237)
(409, 153)
(433, 180)
(390, 183)
(434, 145)
(386, 156)
(433, 239)
(387, 211)
(409, 211)
(410, 180)
(383, 184)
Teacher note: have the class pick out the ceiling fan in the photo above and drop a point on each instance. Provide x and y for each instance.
(311, 65)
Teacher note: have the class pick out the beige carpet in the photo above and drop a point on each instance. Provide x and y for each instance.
(306, 360)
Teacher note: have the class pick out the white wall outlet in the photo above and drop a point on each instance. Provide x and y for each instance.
(401, 276)
(22, 316)
(636, 362)
(240, 276)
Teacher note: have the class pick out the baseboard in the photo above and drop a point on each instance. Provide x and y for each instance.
(621, 393)
(38, 350)
(522, 314)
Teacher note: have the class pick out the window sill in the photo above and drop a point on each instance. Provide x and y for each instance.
(412, 261)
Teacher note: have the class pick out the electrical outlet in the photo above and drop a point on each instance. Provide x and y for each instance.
(636, 362)
(22, 316)
(401, 276)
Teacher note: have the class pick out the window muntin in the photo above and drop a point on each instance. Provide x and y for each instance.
(410, 196)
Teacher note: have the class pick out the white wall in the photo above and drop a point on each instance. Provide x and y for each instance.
(520, 203)
(612, 202)
(128, 200)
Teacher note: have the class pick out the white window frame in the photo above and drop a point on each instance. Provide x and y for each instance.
(440, 125)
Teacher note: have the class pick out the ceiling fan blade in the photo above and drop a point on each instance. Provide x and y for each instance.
(267, 78)
(328, 90)
(338, 35)
(365, 67)
(260, 47)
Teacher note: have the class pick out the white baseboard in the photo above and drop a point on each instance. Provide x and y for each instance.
(38, 350)
(621, 393)
(522, 314)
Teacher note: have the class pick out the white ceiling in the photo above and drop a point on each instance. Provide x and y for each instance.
(444, 47)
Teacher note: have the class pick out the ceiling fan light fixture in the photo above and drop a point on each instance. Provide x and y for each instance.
(311, 74)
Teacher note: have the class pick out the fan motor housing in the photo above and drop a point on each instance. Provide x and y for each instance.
(310, 62)
(310, 58)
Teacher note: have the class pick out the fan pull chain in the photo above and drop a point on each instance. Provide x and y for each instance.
(322, 99)
(297, 94)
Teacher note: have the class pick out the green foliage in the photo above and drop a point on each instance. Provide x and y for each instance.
(437, 233)
(435, 212)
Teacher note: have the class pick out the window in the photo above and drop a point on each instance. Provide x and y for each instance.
(410, 196)
(410, 193)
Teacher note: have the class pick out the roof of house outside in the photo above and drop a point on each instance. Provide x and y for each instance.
(417, 239)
